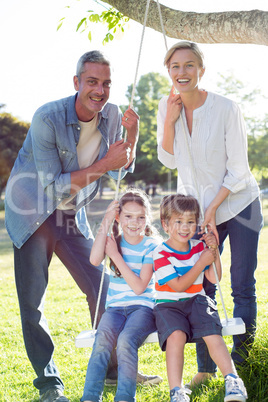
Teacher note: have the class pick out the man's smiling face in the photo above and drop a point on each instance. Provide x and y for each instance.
(93, 87)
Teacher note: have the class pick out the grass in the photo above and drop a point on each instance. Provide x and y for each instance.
(67, 314)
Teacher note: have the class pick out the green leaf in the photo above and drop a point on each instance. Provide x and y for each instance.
(80, 23)
(89, 36)
(94, 18)
(61, 22)
(59, 26)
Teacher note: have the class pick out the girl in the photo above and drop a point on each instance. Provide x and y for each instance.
(128, 318)
(214, 129)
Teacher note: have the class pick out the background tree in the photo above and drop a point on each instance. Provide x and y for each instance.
(149, 90)
(12, 135)
(216, 27)
(257, 127)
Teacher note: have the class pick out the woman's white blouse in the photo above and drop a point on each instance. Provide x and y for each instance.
(218, 147)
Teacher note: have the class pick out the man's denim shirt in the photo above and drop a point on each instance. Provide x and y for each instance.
(40, 178)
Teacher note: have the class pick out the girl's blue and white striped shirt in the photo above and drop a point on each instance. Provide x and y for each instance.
(120, 293)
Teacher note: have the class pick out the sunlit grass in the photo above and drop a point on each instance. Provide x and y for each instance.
(67, 313)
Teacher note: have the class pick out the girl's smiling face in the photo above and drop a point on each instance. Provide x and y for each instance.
(132, 220)
(180, 228)
(185, 70)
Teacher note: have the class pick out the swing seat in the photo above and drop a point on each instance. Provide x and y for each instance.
(86, 339)
(233, 326)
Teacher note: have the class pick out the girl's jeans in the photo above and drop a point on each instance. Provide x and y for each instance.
(243, 231)
(125, 328)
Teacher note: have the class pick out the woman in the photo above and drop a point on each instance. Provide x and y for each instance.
(203, 135)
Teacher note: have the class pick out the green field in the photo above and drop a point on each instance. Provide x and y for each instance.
(67, 314)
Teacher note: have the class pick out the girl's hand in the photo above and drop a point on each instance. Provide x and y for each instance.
(208, 256)
(174, 106)
(112, 211)
(111, 247)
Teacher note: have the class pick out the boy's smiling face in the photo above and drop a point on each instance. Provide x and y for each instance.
(180, 228)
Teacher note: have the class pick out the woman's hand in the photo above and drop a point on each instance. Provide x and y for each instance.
(210, 214)
(174, 106)
(210, 223)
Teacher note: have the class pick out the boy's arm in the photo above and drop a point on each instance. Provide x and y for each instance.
(210, 274)
(137, 283)
(211, 242)
(182, 283)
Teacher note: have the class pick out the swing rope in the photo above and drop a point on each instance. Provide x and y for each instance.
(239, 323)
(194, 174)
(162, 25)
(120, 170)
(202, 210)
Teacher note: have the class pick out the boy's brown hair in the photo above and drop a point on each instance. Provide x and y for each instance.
(178, 204)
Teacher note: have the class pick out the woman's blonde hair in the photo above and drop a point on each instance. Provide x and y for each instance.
(184, 44)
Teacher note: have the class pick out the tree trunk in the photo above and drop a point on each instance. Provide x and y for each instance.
(221, 27)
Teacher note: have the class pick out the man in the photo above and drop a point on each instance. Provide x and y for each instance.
(70, 145)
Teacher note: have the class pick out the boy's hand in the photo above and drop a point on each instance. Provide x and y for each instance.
(210, 240)
(208, 256)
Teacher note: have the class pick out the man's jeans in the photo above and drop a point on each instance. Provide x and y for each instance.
(57, 234)
(243, 231)
(125, 328)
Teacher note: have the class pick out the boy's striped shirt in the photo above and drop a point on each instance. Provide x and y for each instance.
(169, 264)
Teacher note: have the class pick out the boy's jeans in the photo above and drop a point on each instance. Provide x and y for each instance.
(125, 328)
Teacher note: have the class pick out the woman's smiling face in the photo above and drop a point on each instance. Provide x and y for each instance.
(185, 70)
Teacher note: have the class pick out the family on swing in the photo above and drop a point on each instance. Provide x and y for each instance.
(164, 284)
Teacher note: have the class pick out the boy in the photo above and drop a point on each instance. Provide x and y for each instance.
(183, 312)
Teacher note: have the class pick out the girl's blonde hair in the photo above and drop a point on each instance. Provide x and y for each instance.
(141, 198)
(184, 44)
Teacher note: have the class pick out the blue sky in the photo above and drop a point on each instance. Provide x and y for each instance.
(38, 62)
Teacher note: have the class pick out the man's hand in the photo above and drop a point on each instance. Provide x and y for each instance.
(130, 121)
(118, 155)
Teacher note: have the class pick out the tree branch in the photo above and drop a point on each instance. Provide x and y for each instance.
(221, 27)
